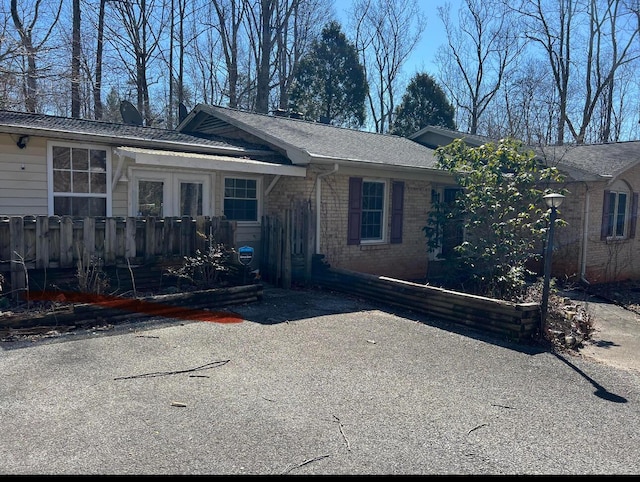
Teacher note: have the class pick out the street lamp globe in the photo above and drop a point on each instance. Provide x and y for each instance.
(553, 200)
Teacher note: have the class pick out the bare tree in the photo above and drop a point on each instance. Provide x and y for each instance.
(75, 60)
(265, 22)
(143, 22)
(205, 63)
(582, 39)
(97, 86)
(186, 21)
(478, 52)
(230, 16)
(26, 28)
(386, 33)
(524, 107)
(8, 53)
(294, 40)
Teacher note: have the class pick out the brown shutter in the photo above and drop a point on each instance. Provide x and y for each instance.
(355, 210)
(397, 209)
(634, 216)
(605, 216)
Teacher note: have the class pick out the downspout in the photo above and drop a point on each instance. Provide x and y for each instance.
(318, 197)
(585, 226)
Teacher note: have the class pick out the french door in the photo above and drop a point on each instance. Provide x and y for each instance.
(169, 194)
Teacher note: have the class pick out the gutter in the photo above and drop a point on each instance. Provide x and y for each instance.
(585, 226)
(318, 197)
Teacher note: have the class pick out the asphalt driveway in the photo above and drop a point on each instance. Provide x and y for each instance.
(310, 383)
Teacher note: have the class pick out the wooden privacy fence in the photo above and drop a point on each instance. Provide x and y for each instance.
(43, 242)
(287, 246)
(518, 321)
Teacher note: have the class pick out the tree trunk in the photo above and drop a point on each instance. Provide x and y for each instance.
(97, 88)
(75, 61)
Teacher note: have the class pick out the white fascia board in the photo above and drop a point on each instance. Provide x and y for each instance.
(210, 162)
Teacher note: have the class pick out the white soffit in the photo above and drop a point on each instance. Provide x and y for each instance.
(210, 162)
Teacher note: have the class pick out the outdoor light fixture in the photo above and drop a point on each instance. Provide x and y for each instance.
(22, 142)
(553, 202)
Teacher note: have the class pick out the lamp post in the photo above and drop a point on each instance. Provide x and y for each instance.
(553, 201)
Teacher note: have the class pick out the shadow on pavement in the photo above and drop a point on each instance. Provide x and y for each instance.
(600, 392)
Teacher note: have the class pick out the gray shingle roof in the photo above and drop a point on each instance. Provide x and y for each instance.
(120, 134)
(448, 135)
(314, 140)
(579, 162)
(601, 160)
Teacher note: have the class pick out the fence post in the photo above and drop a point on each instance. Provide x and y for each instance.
(88, 238)
(149, 237)
(130, 238)
(42, 242)
(308, 242)
(18, 279)
(110, 243)
(286, 248)
(66, 242)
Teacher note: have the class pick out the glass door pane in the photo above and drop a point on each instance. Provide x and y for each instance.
(150, 198)
(190, 199)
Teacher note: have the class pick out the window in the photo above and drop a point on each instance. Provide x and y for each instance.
(241, 199)
(367, 211)
(372, 211)
(79, 178)
(619, 213)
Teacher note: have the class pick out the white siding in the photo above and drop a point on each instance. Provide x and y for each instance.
(23, 177)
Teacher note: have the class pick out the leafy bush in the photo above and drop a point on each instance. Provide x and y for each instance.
(500, 210)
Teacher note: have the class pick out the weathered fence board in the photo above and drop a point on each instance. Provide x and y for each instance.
(287, 246)
(47, 242)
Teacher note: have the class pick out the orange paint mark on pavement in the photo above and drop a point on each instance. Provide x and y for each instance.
(139, 306)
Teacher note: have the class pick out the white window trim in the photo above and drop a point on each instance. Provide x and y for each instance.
(625, 227)
(259, 196)
(171, 191)
(50, 192)
(384, 232)
(181, 177)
